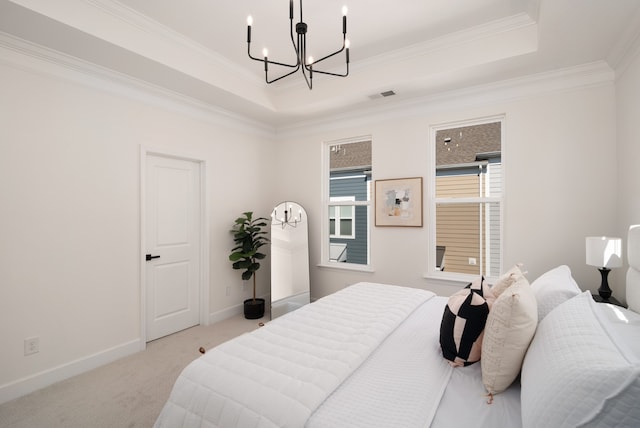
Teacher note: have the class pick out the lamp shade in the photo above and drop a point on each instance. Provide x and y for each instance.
(604, 252)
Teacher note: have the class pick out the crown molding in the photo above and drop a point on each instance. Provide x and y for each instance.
(447, 42)
(135, 19)
(129, 32)
(450, 41)
(22, 54)
(627, 49)
(29, 56)
(567, 79)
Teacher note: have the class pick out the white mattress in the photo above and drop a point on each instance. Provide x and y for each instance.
(407, 383)
(278, 375)
(367, 356)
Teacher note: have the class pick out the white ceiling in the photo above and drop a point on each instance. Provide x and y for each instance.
(197, 48)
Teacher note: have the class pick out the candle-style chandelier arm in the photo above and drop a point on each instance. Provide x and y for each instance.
(315, 70)
(300, 48)
(276, 63)
(281, 77)
(265, 59)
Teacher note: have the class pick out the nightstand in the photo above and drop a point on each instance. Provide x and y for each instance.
(611, 300)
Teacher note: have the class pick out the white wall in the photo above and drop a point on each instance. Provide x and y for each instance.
(628, 137)
(560, 160)
(70, 218)
(69, 186)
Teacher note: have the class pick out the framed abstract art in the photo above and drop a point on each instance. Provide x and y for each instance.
(398, 202)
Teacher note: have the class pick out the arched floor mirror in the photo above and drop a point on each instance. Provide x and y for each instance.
(289, 258)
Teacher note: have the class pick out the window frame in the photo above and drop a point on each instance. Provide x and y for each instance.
(432, 272)
(326, 202)
(339, 217)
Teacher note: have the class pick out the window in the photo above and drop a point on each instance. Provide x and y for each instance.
(466, 200)
(342, 218)
(347, 200)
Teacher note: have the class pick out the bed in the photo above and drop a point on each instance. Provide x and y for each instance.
(372, 355)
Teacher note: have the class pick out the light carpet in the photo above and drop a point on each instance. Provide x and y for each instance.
(129, 392)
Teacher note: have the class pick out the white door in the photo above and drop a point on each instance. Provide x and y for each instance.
(173, 240)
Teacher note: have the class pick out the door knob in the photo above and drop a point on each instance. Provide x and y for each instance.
(149, 257)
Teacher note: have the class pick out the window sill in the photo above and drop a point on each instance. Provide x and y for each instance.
(458, 280)
(346, 266)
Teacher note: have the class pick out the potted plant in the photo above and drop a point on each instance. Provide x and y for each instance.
(249, 236)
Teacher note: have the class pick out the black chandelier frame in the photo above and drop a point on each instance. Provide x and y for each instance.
(300, 47)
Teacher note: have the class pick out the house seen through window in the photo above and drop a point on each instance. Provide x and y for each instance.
(342, 218)
(468, 197)
(348, 202)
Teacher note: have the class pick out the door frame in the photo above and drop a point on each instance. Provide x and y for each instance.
(203, 252)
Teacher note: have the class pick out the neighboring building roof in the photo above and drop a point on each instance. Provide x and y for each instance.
(350, 156)
(454, 146)
(464, 145)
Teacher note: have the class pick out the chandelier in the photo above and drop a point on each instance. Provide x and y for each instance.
(303, 62)
(287, 218)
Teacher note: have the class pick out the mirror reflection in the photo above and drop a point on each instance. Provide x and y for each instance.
(289, 258)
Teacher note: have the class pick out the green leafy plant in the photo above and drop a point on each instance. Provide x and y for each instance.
(249, 237)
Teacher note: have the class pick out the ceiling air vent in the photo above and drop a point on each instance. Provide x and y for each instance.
(382, 95)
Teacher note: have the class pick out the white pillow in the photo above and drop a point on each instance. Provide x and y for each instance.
(574, 374)
(552, 288)
(510, 327)
(633, 273)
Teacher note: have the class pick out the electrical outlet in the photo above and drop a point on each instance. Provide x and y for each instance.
(31, 345)
(472, 261)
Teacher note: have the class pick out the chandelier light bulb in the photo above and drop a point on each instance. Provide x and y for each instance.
(347, 43)
(249, 20)
(310, 60)
(265, 52)
(345, 9)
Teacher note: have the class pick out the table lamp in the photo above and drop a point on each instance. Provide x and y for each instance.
(604, 253)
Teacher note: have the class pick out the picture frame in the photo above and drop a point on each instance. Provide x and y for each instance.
(398, 202)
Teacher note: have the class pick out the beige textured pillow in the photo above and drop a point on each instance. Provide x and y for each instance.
(507, 279)
(510, 327)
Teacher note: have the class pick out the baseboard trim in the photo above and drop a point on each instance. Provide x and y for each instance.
(223, 314)
(26, 385)
(18, 388)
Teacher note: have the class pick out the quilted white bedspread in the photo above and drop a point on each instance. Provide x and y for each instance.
(400, 384)
(278, 375)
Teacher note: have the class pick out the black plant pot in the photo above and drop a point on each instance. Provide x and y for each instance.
(253, 309)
